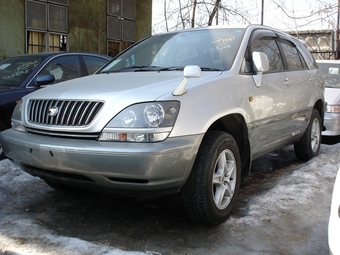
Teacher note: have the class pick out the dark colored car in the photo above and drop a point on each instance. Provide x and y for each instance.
(24, 74)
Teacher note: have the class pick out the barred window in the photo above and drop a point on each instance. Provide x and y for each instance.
(57, 43)
(35, 42)
(114, 7)
(129, 9)
(120, 25)
(46, 25)
(36, 15)
(57, 18)
(62, 2)
(114, 28)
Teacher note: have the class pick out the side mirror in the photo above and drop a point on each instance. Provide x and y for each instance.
(261, 64)
(261, 61)
(192, 72)
(45, 79)
(188, 72)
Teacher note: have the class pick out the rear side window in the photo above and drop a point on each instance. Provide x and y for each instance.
(269, 46)
(292, 55)
(309, 57)
(93, 63)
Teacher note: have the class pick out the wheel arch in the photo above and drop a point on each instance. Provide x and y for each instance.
(235, 125)
(320, 107)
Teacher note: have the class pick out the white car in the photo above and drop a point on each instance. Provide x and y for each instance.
(185, 111)
(331, 73)
(334, 219)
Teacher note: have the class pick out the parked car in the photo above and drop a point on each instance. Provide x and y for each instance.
(24, 74)
(331, 73)
(334, 219)
(185, 111)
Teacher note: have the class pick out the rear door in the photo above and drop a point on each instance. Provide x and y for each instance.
(303, 80)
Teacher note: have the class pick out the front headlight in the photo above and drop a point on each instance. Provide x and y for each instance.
(16, 118)
(145, 122)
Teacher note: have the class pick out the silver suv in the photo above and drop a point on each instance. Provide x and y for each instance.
(185, 111)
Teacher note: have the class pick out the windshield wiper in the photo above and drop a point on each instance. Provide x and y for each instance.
(210, 69)
(171, 68)
(155, 68)
(180, 68)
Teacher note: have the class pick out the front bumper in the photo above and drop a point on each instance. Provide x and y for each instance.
(156, 168)
(332, 124)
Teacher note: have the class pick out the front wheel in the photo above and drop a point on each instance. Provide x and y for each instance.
(213, 185)
(309, 145)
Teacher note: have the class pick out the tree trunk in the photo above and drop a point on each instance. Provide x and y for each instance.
(193, 13)
(213, 13)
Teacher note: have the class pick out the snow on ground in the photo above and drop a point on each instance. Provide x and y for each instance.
(24, 235)
(297, 189)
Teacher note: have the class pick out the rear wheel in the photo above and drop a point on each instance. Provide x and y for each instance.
(213, 185)
(309, 144)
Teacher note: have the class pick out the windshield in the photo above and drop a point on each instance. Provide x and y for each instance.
(331, 74)
(13, 71)
(211, 49)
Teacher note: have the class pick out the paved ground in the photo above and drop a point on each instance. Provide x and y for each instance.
(283, 208)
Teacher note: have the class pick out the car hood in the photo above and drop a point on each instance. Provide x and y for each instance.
(133, 87)
(118, 91)
(332, 95)
(4, 89)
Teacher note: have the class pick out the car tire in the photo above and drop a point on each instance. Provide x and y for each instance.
(2, 128)
(309, 145)
(213, 185)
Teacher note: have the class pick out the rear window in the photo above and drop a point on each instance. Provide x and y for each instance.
(331, 74)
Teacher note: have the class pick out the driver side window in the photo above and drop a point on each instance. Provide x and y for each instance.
(63, 68)
(268, 46)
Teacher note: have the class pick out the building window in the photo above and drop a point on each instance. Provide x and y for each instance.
(57, 19)
(57, 43)
(46, 25)
(35, 42)
(36, 15)
(120, 25)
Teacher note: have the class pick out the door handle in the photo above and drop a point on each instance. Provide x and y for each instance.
(286, 82)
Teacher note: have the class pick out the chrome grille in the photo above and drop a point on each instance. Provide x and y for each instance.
(63, 112)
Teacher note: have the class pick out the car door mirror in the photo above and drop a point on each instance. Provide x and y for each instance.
(261, 62)
(45, 79)
(191, 71)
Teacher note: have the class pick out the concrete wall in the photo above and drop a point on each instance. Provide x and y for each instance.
(144, 17)
(12, 28)
(87, 25)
